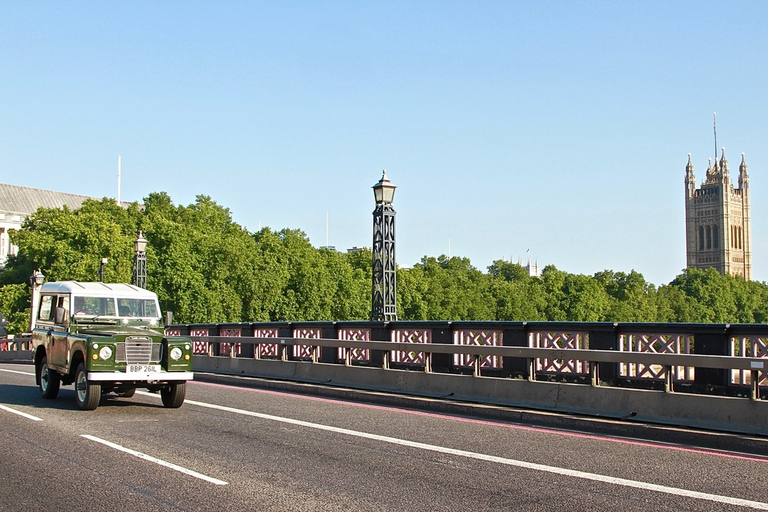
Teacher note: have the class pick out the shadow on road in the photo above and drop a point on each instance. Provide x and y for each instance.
(13, 394)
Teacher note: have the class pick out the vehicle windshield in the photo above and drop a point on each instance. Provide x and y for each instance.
(94, 306)
(86, 307)
(145, 308)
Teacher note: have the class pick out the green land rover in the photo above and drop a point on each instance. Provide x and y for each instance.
(105, 338)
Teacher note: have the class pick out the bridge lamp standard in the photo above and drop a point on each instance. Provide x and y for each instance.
(102, 266)
(384, 289)
(140, 262)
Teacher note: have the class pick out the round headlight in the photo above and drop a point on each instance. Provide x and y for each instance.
(175, 353)
(105, 353)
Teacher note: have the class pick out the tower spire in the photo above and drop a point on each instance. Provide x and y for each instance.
(714, 129)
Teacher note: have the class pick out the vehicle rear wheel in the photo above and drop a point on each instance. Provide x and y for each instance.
(49, 380)
(87, 395)
(173, 394)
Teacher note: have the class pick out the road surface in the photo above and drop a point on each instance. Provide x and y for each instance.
(230, 448)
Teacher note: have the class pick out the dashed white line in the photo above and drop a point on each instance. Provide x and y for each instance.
(16, 371)
(498, 460)
(161, 462)
(14, 411)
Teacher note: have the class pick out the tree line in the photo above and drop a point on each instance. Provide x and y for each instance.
(204, 268)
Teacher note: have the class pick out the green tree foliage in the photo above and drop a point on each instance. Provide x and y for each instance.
(14, 307)
(206, 268)
(445, 289)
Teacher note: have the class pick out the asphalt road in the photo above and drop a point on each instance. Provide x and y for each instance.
(231, 448)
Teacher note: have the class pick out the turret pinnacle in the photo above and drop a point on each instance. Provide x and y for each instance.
(689, 169)
(690, 178)
(723, 162)
(743, 172)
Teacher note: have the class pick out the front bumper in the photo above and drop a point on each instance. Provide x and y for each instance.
(139, 377)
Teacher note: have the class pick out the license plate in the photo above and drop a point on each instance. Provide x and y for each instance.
(142, 368)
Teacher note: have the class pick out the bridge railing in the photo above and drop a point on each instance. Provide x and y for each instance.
(17, 343)
(718, 359)
(16, 348)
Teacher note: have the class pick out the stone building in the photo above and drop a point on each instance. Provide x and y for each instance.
(18, 203)
(717, 220)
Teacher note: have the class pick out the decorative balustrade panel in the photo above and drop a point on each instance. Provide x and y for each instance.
(199, 347)
(563, 340)
(749, 346)
(410, 336)
(657, 344)
(477, 338)
(226, 349)
(305, 351)
(355, 354)
(172, 332)
(267, 350)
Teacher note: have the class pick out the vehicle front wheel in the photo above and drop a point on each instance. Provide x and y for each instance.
(49, 380)
(87, 395)
(173, 394)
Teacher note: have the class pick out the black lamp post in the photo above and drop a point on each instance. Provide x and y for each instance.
(384, 290)
(102, 265)
(140, 262)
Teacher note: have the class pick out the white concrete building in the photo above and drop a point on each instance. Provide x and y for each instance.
(18, 203)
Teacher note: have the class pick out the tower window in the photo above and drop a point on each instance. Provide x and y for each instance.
(701, 238)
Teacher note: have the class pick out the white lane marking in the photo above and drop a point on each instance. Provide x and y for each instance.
(16, 371)
(161, 462)
(498, 460)
(14, 411)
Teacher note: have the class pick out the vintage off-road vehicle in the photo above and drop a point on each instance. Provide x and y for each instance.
(105, 337)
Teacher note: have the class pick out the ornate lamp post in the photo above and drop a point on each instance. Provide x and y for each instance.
(384, 291)
(140, 262)
(102, 265)
(36, 281)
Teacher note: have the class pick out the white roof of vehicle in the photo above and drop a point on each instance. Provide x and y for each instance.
(121, 290)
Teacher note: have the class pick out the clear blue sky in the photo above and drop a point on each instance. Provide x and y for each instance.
(559, 127)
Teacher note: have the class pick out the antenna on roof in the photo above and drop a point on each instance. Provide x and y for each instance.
(119, 171)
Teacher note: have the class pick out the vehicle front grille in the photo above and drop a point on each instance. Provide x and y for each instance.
(137, 350)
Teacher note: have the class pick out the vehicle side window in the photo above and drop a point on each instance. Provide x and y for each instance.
(46, 307)
(64, 303)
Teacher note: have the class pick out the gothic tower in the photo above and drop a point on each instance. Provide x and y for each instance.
(717, 220)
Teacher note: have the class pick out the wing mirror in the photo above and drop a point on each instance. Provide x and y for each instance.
(61, 316)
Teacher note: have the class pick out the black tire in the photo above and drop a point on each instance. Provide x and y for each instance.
(50, 381)
(173, 394)
(128, 393)
(87, 395)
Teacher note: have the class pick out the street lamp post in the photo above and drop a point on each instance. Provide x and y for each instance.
(140, 262)
(102, 265)
(384, 289)
(35, 282)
